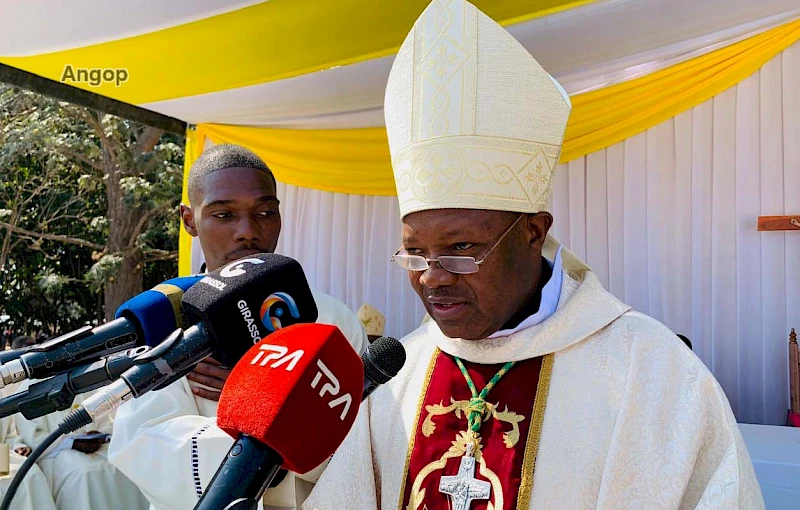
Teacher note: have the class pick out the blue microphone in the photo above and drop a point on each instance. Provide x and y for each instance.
(158, 311)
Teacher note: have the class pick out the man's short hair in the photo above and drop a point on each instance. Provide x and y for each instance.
(221, 157)
(22, 341)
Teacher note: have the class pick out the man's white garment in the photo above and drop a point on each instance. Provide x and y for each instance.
(34, 493)
(633, 418)
(79, 481)
(168, 443)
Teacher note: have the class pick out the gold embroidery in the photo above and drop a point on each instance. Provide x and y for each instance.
(425, 384)
(535, 433)
(478, 172)
(437, 173)
(502, 174)
(441, 71)
(459, 446)
(457, 449)
(440, 169)
(510, 438)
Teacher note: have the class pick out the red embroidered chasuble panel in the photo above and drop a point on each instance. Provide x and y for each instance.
(438, 427)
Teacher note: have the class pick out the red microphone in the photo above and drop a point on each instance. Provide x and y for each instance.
(289, 402)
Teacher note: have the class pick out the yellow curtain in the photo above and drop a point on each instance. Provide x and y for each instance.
(357, 160)
(195, 141)
(343, 160)
(612, 114)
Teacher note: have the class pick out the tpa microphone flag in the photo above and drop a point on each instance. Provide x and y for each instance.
(297, 391)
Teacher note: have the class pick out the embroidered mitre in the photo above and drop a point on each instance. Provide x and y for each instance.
(473, 121)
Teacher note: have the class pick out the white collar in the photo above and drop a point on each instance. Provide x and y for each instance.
(551, 293)
(584, 308)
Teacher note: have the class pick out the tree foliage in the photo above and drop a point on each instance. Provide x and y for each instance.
(88, 211)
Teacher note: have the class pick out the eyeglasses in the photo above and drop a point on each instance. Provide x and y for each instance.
(453, 263)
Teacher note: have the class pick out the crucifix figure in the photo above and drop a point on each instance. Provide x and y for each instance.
(464, 487)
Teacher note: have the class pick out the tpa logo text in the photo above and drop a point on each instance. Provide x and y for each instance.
(280, 354)
(332, 387)
(94, 77)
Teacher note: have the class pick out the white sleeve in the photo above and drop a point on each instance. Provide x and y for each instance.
(166, 448)
(349, 479)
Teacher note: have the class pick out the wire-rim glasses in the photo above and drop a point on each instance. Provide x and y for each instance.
(456, 264)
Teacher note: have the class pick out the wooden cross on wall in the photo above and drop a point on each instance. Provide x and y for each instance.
(778, 223)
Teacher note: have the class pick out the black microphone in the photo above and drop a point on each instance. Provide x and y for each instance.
(63, 353)
(232, 308)
(251, 465)
(11, 355)
(145, 319)
(382, 360)
(58, 392)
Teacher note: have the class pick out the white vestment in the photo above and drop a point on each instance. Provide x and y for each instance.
(168, 443)
(79, 481)
(633, 419)
(34, 492)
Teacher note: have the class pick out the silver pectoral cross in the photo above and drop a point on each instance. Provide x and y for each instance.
(464, 487)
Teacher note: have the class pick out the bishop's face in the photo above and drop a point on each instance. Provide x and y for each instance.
(473, 306)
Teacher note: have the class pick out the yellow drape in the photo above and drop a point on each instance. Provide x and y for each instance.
(268, 41)
(612, 114)
(194, 147)
(344, 160)
(357, 160)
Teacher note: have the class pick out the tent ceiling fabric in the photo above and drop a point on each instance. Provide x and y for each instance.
(54, 26)
(352, 96)
(280, 63)
(264, 42)
(356, 161)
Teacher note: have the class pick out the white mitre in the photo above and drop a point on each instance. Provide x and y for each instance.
(473, 121)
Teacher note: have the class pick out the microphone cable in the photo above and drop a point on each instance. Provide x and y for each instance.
(75, 420)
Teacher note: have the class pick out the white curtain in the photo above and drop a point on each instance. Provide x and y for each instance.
(344, 243)
(667, 219)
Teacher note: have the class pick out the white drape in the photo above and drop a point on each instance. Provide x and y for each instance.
(667, 219)
(344, 243)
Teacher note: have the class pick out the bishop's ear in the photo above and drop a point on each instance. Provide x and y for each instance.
(538, 225)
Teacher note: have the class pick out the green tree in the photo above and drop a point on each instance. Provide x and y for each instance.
(88, 209)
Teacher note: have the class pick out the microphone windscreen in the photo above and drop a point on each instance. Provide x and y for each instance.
(383, 359)
(297, 391)
(248, 299)
(157, 311)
